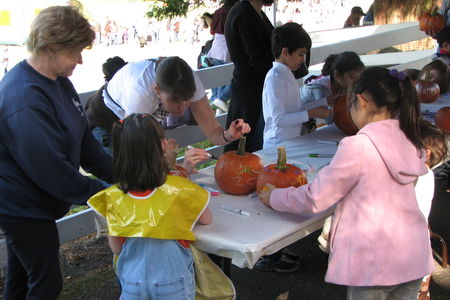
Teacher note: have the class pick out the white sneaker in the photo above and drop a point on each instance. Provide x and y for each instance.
(222, 105)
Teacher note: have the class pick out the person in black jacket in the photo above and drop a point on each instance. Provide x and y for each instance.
(247, 33)
(44, 139)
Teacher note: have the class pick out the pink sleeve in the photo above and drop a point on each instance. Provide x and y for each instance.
(331, 184)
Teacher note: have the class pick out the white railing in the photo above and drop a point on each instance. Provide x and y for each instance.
(360, 40)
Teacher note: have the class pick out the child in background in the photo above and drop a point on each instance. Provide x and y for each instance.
(324, 90)
(443, 39)
(326, 68)
(435, 142)
(354, 20)
(370, 180)
(282, 108)
(439, 72)
(150, 214)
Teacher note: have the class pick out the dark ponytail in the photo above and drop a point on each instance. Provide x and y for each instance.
(138, 158)
(393, 90)
(410, 113)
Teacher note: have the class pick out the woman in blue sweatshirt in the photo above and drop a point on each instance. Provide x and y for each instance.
(44, 139)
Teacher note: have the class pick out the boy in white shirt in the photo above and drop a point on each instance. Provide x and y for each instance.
(283, 113)
(282, 108)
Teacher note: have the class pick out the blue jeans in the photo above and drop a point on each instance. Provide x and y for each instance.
(221, 92)
(155, 269)
(403, 291)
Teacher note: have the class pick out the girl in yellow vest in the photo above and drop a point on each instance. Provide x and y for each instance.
(150, 214)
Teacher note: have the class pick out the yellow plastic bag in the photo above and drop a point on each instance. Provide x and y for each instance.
(211, 283)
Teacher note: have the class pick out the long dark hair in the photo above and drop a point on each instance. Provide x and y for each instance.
(138, 158)
(395, 92)
(345, 62)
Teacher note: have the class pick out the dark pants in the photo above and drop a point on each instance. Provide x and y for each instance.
(33, 260)
(246, 103)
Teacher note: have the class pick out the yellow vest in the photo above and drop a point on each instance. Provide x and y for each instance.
(169, 212)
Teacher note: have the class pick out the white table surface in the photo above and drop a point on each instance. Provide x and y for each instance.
(245, 239)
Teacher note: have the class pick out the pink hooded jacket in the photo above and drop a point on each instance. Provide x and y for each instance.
(378, 236)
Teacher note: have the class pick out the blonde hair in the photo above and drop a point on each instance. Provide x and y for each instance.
(62, 27)
(434, 140)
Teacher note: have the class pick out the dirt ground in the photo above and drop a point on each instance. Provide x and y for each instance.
(87, 272)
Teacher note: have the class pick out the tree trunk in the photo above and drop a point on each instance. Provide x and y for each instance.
(398, 11)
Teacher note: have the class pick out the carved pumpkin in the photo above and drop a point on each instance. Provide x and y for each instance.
(442, 119)
(427, 91)
(281, 174)
(342, 117)
(236, 171)
(175, 169)
(430, 20)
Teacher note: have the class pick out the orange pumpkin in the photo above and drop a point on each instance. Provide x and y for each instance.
(342, 117)
(442, 119)
(427, 91)
(430, 20)
(281, 174)
(236, 171)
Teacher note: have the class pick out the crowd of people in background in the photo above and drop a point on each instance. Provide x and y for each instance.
(315, 15)
(40, 106)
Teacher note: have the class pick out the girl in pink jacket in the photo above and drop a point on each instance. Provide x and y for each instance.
(379, 244)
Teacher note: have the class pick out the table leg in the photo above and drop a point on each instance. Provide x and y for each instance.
(223, 263)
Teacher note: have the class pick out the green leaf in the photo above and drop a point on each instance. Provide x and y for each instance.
(169, 9)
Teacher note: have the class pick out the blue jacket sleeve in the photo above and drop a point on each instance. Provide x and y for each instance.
(40, 149)
(94, 159)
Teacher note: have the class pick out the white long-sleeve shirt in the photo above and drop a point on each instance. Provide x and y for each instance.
(282, 108)
(424, 192)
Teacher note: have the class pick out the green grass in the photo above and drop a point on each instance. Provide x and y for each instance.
(203, 145)
(76, 209)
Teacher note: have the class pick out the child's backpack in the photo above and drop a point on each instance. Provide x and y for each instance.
(202, 62)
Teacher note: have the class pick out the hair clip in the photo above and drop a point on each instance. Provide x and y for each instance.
(397, 75)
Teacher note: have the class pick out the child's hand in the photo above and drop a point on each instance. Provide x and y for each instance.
(265, 193)
(237, 129)
(193, 156)
(321, 112)
(206, 217)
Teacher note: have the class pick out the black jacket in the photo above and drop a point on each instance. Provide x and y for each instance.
(248, 37)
